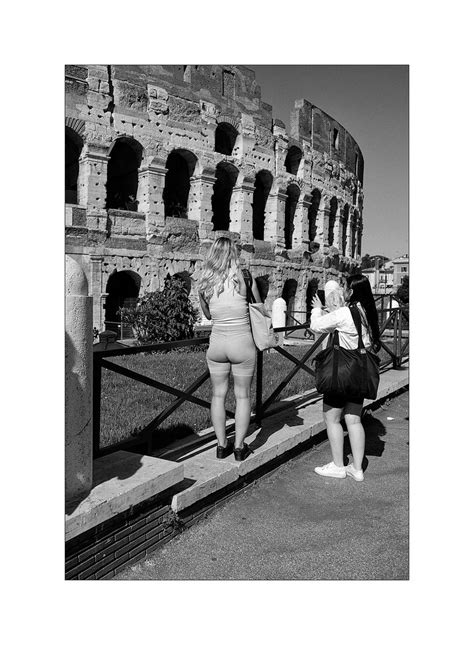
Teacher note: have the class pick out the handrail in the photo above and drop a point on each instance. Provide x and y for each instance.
(397, 355)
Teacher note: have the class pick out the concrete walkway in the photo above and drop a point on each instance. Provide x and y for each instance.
(294, 525)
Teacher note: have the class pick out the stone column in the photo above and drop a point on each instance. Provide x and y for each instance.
(79, 341)
(151, 183)
(275, 218)
(92, 184)
(201, 207)
(337, 227)
(301, 222)
(96, 290)
(241, 212)
(324, 219)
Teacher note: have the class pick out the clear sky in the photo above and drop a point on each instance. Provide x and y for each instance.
(371, 102)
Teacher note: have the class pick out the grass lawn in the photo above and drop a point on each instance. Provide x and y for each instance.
(127, 406)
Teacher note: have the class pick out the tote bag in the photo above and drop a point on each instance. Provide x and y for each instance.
(260, 320)
(352, 373)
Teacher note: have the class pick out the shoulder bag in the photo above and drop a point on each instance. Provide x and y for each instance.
(260, 320)
(352, 373)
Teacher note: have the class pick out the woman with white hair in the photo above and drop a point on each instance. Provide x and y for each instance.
(223, 297)
(357, 293)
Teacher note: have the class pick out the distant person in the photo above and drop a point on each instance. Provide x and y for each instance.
(359, 293)
(223, 297)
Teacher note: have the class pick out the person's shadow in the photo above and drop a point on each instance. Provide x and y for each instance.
(374, 446)
(289, 417)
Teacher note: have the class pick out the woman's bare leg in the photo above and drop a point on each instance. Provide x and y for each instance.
(356, 435)
(332, 417)
(242, 408)
(220, 385)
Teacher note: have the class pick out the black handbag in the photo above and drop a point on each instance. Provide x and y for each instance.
(351, 373)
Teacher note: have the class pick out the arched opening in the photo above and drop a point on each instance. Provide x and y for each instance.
(263, 184)
(344, 222)
(73, 151)
(359, 235)
(313, 215)
(226, 177)
(180, 165)
(332, 220)
(354, 218)
(225, 137)
(292, 193)
(263, 284)
(122, 175)
(293, 158)
(289, 295)
(311, 291)
(122, 289)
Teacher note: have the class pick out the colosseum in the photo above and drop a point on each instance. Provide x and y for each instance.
(162, 159)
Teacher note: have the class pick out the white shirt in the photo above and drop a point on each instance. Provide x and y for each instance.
(340, 320)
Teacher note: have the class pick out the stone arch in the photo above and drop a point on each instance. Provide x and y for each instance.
(263, 184)
(226, 178)
(122, 290)
(289, 296)
(73, 145)
(344, 222)
(353, 236)
(311, 291)
(181, 165)
(293, 159)
(313, 216)
(333, 206)
(293, 193)
(122, 174)
(224, 138)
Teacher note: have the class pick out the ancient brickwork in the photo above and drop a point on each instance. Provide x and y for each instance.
(162, 159)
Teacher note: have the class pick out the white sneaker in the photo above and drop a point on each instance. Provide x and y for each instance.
(358, 475)
(331, 470)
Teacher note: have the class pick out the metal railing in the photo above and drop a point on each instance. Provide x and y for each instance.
(396, 355)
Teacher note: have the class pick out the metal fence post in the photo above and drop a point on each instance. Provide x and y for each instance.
(259, 392)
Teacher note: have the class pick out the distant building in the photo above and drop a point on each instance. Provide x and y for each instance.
(400, 270)
(387, 277)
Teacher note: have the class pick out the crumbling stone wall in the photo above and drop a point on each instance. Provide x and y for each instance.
(163, 109)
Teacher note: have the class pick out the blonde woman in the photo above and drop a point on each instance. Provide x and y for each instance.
(223, 296)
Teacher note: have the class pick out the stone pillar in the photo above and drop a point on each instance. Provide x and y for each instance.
(337, 227)
(279, 317)
(325, 210)
(151, 183)
(92, 184)
(79, 341)
(241, 212)
(275, 218)
(201, 207)
(95, 290)
(301, 230)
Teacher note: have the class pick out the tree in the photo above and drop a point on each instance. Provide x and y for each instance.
(163, 316)
(366, 262)
(403, 291)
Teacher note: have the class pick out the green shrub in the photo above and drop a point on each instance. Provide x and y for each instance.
(163, 316)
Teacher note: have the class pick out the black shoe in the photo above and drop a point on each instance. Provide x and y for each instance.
(224, 451)
(242, 453)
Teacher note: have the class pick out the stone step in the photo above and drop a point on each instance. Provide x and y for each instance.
(121, 480)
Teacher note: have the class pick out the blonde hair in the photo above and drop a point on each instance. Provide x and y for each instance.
(221, 263)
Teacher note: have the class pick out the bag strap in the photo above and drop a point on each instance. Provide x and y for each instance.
(248, 283)
(358, 324)
(355, 313)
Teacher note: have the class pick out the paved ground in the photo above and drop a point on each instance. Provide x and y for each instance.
(294, 525)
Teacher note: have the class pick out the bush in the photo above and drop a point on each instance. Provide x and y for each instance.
(163, 316)
(403, 291)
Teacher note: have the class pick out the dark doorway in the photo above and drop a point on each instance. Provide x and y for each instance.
(293, 193)
(122, 175)
(332, 220)
(354, 219)
(122, 289)
(288, 295)
(180, 165)
(312, 217)
(293, 158)
(73, 150)
(226, 177)
(263, 184)
(344, 221)
(225, 137)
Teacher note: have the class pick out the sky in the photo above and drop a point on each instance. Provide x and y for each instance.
(371, 102)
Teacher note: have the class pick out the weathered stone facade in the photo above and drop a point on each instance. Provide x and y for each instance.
(162, 159)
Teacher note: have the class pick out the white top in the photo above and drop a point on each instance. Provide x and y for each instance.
(229, 308)
(340, 320)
